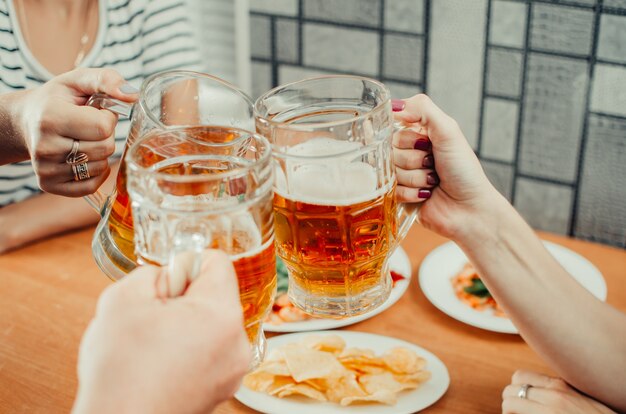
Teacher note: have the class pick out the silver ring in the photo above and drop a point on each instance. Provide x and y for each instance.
(70, 157)
(523, 391)
(81, 171)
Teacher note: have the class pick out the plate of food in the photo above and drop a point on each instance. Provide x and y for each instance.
(451, 283)
(342, 372)
(285, 317)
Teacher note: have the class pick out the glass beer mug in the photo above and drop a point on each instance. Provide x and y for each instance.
(336, 218)
(166, 100)
(193, 188)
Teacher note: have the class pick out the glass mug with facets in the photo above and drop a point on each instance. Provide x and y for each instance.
(166, 100)
(193, 188)
(336, 218)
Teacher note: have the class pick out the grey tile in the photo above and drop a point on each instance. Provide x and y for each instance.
(455, 62)
(504, 72)
(361, 12)
(561, 29)
(500, 175)
(612, 41)
(405, 15)
(402, 90)
(621, 4)
(602, 193)
(499, 129)
(507, 23)
(289, 73)
(545, 206)
(403, 57)
(609, 89)
(332, 47)
(261, 78)
(282, 7)
(553, 116)
(260, 37)
(287, 40)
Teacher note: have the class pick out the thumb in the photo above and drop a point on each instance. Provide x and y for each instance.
(216, 280)
(89, 81)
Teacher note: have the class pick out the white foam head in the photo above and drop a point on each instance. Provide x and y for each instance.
(336, 180)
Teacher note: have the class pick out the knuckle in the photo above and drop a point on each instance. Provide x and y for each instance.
(104, 128)
(107, 76)
(516, 376)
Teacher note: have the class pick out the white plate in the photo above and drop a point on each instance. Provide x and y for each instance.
(398, 262)
(408, 401)
(446, 261)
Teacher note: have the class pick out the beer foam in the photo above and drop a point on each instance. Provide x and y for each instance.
(338, 180)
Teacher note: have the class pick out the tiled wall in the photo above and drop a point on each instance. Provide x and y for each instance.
(538, 86)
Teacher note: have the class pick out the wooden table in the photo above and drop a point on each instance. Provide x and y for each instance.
(48, 293)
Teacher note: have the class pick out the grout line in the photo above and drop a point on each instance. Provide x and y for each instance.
(426, 48)
(481, 115)
(585, 129)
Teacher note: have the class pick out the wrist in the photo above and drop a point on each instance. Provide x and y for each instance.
(13, 142)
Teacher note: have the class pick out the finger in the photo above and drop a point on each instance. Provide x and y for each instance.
(63, 173)
(84, 123)
(421, 178)
(537, 380)
(409, 159)
(409, 139)
(515, 405)
(76, 188)
(420, 109)
(216, 280)
(88, 81)
(412, 195)
(136, 287)
(545, 396)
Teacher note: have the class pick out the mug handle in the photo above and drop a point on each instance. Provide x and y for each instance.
(98, 200)
(407, 213)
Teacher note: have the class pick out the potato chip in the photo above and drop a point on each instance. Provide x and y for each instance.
(344, 386)
(258, 381)
(305, 363)
(275, 368)
(383, 396)
(279, 384)
(384, 381)
(328, 343)
(302, 389)
(356, 352)
(403, 361)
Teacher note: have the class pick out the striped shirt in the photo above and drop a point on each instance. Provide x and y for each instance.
(137, 38)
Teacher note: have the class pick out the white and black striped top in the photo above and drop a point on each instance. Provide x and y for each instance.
(135, 37)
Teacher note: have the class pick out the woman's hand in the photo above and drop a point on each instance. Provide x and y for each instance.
(51, 117)
(547, 395)
(157, 346)
(438, 154)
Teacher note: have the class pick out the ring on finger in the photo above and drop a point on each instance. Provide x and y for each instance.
(523, 391)
(81, 171)
(70, 157)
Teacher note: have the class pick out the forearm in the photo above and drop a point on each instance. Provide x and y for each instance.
(42, 216)
(558, 318)
(12, 145)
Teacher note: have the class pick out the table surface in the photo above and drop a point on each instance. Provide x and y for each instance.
(48, 293)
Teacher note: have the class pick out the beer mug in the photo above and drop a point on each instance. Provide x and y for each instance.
(335, 214)
(166, 100)
(193, 188)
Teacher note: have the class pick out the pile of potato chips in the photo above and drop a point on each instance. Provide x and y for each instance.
(322, 368)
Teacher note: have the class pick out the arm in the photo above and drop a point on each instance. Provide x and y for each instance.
(12, 145)
(583, 339)
(46, 215)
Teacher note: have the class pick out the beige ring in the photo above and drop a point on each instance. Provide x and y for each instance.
(70, 157)
(523, 391)
(81, 171)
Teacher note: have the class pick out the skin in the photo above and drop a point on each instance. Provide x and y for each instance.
(559, 319)
(180, 349)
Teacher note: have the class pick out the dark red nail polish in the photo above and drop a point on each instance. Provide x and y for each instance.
(432, 179)
(428, 161)
(397, 105)
(422, 144)
(424, 193)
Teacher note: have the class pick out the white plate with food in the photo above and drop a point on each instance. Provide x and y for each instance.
(344, 372)
(459, 293)
(284, 317)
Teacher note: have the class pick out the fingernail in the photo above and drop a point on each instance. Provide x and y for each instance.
(428, 161)
(432, 179)
(422, 144)
(424, 193)
(397, 105)
(128, 89)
